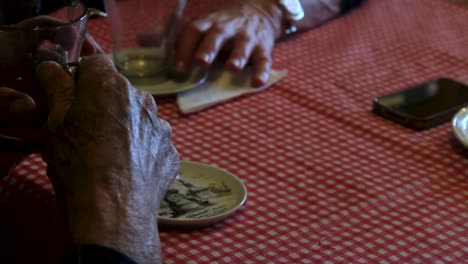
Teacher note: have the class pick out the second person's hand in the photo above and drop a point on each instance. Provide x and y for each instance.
(245, 30)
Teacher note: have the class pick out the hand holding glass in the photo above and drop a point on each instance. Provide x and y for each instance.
(58, 37)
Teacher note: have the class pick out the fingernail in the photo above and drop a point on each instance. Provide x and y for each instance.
(236, 65)
(264, 77)
(206, 58)
(239, 63)
(260, 80)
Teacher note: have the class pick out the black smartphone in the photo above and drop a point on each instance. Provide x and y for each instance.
(423, 106)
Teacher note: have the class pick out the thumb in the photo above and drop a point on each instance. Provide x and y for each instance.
(60, 90)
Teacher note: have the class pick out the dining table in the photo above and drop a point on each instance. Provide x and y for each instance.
(328, 181)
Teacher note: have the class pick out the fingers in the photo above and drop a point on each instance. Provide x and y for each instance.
(60, 90)
(15, 106)
(96, 64)
(97, 74)
(261, 63)
(101, 88)
(257, 51)
(88, 48)
(243, 47)
(202, 41)
(249, 37)
(187, 43)
(44, 54)
(212, 43)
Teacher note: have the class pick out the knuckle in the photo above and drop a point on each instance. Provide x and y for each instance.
(263, 53)
(217, 28)
(150, 103)
(166, 128)
(244, 36)
(263, 58)
(195, 26)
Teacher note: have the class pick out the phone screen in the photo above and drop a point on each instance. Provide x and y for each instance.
(428, 99)
(423, 106)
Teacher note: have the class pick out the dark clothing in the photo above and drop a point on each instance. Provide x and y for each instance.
(14, 11)
(48, 6)
(95, 254)
(348, 5)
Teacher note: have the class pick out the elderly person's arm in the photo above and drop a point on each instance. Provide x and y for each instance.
(110, 160)
(246, 31)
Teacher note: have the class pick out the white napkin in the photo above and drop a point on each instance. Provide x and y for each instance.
(221, 86)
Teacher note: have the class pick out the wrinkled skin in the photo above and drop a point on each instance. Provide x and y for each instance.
(110, 158)
(21, 52)
(245, 30)
(22, 101)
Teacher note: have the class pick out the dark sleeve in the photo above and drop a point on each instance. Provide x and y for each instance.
(48, 6)
(348, 5)
(99, 4)
(14, 11)
(95, 254)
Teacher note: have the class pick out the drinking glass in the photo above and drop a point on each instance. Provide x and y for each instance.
(143, 35)
(56, 37)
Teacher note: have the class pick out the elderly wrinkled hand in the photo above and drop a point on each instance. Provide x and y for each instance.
(110, 157)
(20, 53)
(22, 102)
(246, 31)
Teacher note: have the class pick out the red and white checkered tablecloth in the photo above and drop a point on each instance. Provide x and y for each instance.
(328, 181)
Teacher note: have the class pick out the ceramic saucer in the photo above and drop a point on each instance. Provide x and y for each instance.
(460, 126)
(202, 195)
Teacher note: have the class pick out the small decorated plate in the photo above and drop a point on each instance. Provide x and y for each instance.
(460, 126)
(202, 195)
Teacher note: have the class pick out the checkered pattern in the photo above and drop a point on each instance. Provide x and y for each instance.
(328, 181)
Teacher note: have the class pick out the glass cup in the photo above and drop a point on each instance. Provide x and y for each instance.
(56, 37)
(143, 35)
